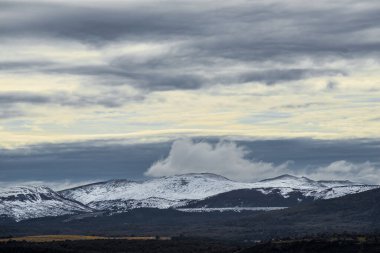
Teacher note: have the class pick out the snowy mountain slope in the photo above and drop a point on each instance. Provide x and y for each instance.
(340, 191)
(120, 205)
(188, 186)
(289, 181)
(179, 190)
(335, 183)
(27, 202)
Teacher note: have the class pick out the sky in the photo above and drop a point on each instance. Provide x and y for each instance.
(165, 75)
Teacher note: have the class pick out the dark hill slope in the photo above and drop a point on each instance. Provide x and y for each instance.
(252, 198)
(354, 213)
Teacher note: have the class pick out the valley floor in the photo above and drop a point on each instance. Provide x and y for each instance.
(55, 238)
(325, 244)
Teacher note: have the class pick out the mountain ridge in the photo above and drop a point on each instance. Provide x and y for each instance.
(207, 189)
(193, 189)
(355, 213)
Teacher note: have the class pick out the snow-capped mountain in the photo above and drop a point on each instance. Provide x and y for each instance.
(162, 192)
(289, 181)
(120, 205)
(335, 183)
(28, 202)
(180, 190)
(188, 186)
(189, 190)
(323, 189)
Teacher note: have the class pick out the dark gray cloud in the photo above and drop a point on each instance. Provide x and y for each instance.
(299, 106)
(98, 25)
(114, 73)
(331, 85)
(84, 161)
(119, 73)
(375, 119)
(10, 113)
(23, 65)
(79, 161)
(284, 32)
(23, 97)
(262, 30)
(274, 76)
(110, 99)
(137, 76)
(209, 36)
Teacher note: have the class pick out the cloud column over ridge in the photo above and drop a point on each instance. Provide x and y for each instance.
(230, 160)
(223, 158)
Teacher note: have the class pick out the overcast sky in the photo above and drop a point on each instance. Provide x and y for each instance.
(154, 71)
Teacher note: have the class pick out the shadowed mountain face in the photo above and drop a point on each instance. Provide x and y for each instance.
(252, 198)
(356, 213)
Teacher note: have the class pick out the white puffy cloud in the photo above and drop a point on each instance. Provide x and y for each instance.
(224, 158)
(341, 170)
(230, 160)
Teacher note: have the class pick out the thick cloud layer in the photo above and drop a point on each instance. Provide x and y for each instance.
(110, 99)
(81, 70)
(258, 35)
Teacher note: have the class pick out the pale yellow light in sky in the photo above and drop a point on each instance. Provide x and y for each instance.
(305, 108)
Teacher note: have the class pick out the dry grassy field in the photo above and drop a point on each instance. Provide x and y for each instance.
(51, 238)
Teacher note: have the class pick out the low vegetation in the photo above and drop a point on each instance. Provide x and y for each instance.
(342, 243)
(183, 245)
(326, 244)
(53, 238)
